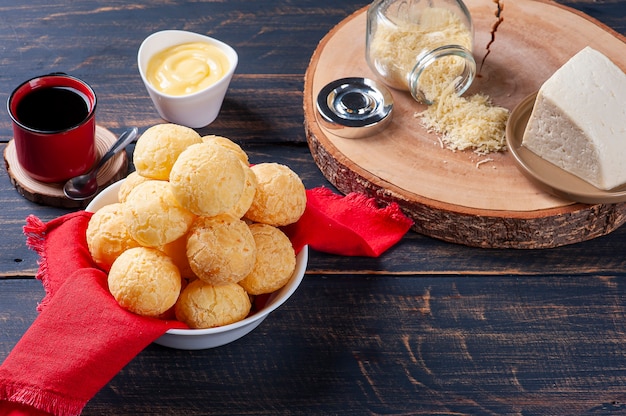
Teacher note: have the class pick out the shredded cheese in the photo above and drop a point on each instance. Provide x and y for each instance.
(395, 46)
(482, 162)
(466, 123)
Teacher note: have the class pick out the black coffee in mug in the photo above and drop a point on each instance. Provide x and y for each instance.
(54, 126)
(53, 109)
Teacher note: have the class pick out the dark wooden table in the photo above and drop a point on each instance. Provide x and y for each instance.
(427, 328)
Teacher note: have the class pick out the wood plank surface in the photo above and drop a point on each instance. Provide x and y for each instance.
(428, 328)
(391, 345)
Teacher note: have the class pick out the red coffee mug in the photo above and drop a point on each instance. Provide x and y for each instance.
(54, 126)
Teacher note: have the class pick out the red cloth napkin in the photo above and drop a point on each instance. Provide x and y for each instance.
(351, 225)
(82, 338)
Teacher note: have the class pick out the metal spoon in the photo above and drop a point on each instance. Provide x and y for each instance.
(85, 186)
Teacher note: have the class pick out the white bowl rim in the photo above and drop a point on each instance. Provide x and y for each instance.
(231, 53)
(109, 195)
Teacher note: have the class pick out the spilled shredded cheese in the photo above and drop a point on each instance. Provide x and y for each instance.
(482, 162)
(466, 123)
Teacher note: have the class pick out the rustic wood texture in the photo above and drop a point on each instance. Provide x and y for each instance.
(49, 194)
(454, 196)
(404, 348)
(429, 327)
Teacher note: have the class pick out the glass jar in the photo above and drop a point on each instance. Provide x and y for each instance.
(421, 46)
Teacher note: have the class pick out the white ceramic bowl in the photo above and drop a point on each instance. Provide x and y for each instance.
(192, 110)
(197, 339)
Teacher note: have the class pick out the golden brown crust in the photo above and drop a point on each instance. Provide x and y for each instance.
(280, 197)
(131, 181)
(144, 281)
(275, 261)
(207, 179)
(247, 196)
(153, 216)
(107, 235)
(158, 148)
(220, 249)
(229, 144)
(177, 251)
(202, 305)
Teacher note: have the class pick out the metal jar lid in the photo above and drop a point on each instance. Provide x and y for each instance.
(354, 107)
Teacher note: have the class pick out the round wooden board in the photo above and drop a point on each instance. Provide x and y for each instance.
(52, 193)
(462, 197)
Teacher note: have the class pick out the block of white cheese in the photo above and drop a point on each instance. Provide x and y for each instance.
(578, 122)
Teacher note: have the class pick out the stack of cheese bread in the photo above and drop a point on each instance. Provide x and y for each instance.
(196, 230)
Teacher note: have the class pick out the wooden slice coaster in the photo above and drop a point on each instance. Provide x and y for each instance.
(462, 197)
(51, 194)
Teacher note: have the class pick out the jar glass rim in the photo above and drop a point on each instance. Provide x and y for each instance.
(427, 58)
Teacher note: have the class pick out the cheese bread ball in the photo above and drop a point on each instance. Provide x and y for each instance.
(275, 261)
(247, 196)
(202, 305)
(131, 181)
(280, 197)
(153, 216)
(207, 179)
(229, 144)
(158, 148)
(144, 281)
(108, 236)
(220, 249)
(177, 251)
